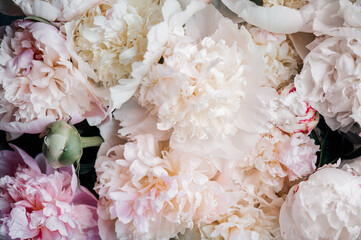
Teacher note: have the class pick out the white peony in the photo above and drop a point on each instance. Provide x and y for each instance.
(326, 206)
(52, 10)
(281, 59)
(208, 84)
(331, 79)
(108, 39)
(345, 20)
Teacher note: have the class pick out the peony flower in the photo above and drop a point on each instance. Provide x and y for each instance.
(53, 10)
(251, 219)
(345, 20)
(297, 4)
(149, 192)
(330, 81)
(203, 87)
(136, 120)
(298, 155)
(294, 113)
(273, 16)
(40, 84)
(280, 57)
(333, 214)
(276, 157)
(38, 202)
(352, 166)
(108, 39)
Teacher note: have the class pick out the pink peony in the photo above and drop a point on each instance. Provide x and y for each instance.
(276, 158)
(39, 82)
(38, 202)
(298, 155)
(147, 191)
(54, 10)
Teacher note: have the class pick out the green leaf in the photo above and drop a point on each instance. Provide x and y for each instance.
(86, 168)
(314, 136)
(333, 147)
(323, 157)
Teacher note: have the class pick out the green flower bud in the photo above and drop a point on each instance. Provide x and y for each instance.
(62, 144)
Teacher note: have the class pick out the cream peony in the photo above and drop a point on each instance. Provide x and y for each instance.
(281, 59)
(135, 120)
(297, 4)
(333, 214)
(203, 87)
(149, 192)
(276, 158)
(53, 10)
(108, 39)
(250, 219)
(294, 113)
(345, 20)
(39, 83)
(330, 81)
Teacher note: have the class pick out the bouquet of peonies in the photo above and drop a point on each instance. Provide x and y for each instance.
(180, 119)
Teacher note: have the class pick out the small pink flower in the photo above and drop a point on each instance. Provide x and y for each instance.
(38, 202)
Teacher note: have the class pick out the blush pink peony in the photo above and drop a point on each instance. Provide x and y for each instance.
(39, 82)
(38, 202)
(54, 10)
(147, 191)
(276, 159)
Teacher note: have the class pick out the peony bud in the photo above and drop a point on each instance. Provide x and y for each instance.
(63, 145)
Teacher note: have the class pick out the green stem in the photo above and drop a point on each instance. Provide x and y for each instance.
(38, 19)
(91, 141)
